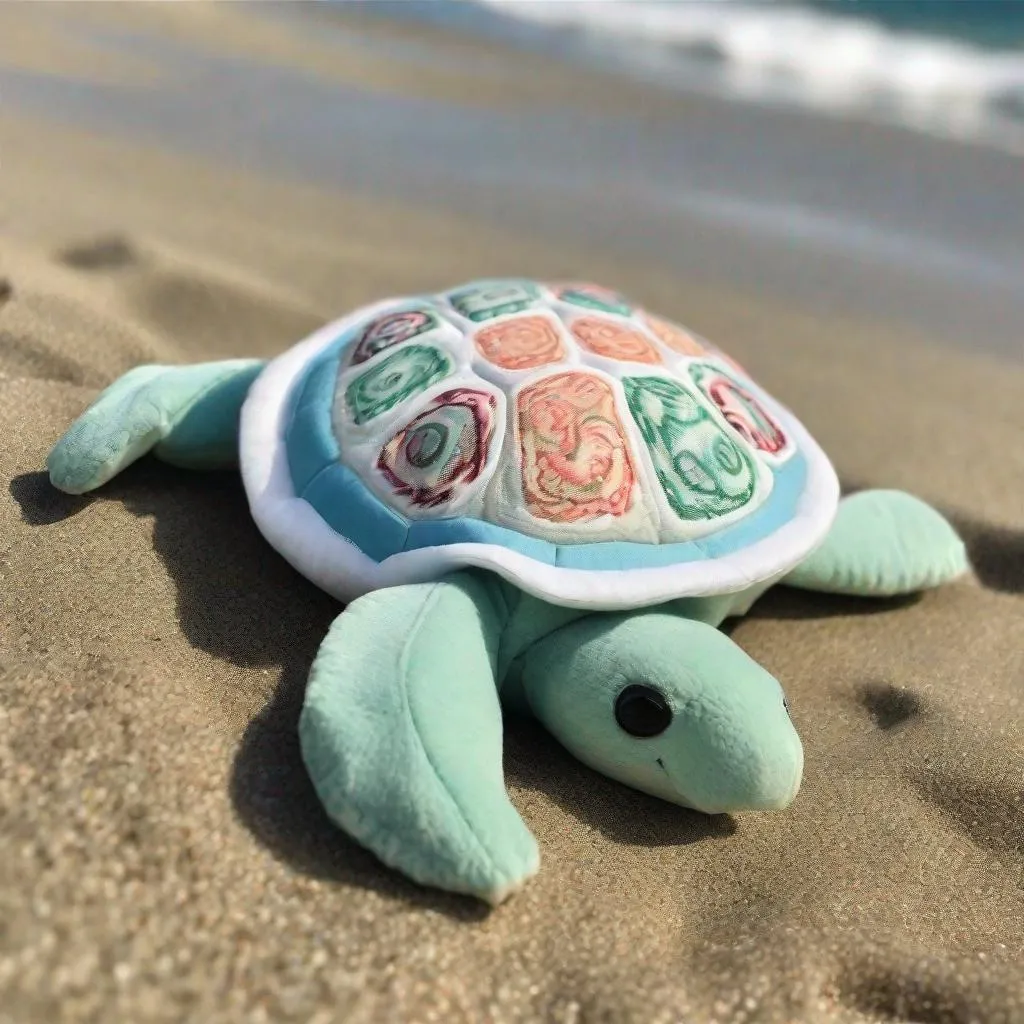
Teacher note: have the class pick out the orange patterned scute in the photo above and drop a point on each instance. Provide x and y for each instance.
(521, 343)
(575, 460)
(613, 340)
(675, 337)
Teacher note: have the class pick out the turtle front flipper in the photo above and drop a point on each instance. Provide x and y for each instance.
(401, 733)
(185, 415)
(883, 543)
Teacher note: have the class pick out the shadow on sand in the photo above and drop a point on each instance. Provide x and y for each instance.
(237, 599)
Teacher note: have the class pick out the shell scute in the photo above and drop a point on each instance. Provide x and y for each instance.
(704, 474)
(744, 413)
(593, 296)
(575, 460)
(672, 335)
(392, 329)
(485, 300)
(398, 377)
(435, 458)
(521, 342)
(614, 340)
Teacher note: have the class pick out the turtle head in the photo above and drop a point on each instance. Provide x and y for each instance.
(669, 706)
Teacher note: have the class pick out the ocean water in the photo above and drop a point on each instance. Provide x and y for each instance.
(951, 67)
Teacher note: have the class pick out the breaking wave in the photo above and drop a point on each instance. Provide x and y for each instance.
(964, 83)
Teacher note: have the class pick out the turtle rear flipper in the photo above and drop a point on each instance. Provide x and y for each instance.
(401, 734)
(186, 415)
(883, 543)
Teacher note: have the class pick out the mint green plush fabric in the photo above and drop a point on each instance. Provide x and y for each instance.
(401, 730)
(401, 733)
(185, 415)
(730, 746)
(883, 543)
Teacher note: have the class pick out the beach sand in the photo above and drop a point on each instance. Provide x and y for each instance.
(162, 854)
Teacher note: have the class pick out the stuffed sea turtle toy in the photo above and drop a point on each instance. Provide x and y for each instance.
(533, 496)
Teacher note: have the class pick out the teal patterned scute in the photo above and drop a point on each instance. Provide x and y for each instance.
(354, 512)
(703, 471)
(398, 377)
(485, 300)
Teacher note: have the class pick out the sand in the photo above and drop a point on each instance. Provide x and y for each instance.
(162, 854)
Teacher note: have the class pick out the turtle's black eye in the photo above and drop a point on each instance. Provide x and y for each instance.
(642, 711)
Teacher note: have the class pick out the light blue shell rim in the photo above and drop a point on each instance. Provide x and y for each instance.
(302, 521)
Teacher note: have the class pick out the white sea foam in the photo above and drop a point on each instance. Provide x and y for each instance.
(781, 51)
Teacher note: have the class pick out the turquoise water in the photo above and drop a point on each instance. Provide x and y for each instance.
(988, 23)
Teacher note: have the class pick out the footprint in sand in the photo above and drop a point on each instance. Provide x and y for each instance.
(103, 254)
(204, 312)
(919, 991)
(890, 706)
(962, 788)
(990, 812)
(24, 355)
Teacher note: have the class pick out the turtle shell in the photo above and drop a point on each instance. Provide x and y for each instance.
(594, 453)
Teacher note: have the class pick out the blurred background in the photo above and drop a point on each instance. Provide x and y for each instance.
(841, 157)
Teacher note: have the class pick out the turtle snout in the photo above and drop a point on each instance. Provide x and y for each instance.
(777, 779)
(762, 773)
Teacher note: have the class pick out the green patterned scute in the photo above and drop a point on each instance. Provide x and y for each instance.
(703, 472)
(404, 373)
(485, 300)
